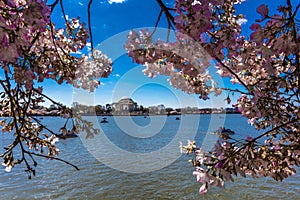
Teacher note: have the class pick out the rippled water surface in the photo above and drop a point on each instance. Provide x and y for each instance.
(95, 180)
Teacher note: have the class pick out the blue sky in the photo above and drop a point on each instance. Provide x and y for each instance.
(110, 18)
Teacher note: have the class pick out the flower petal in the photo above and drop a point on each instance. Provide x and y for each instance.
(262, 10)
(203, 189)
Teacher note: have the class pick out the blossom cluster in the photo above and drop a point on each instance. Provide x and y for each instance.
(184, 61)
(33, 50)
(266, 65)
(86, 75)
(20, 22)
(244, 158)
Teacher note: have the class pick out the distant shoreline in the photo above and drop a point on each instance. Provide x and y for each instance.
(133, 114)
(107, 115)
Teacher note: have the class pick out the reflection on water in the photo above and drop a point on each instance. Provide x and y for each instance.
(55, 180)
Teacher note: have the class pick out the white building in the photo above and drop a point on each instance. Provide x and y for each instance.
(124, 105)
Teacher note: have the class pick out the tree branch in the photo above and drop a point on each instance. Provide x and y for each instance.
(166, 11)
(45, 96)
(275, 128)
(157, 21)
(89, 24)
(63, 11)
(54, 158)
(52, 6)
(171, 18)
(234, 74)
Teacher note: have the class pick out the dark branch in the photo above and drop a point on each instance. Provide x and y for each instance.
(45, 96)
(166, 10)
(63, 11)
(52, 6)
(276, 128)
(89, 24)
(157, 21)
(233, 73)
(54, 158)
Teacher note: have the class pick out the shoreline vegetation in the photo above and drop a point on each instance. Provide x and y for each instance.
(130, 114)
(129, 108)
(206, 111)
(105, 115)
(56, 113)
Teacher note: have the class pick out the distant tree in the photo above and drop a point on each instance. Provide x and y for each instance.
(98, 109)
(53, 107)
(146, 110)
(136, 106)
(108, 108)
(178, 110)
(168, 110)
(142, 108)
(266, 65)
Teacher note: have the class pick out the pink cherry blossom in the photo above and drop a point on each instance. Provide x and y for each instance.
(33, 50)
(263, 10)
(203, 189)
(264, 65)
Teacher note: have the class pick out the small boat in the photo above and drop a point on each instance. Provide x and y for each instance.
(177, 118)
(104, 120)
(228, 131)
(68, 135)
(223, 130)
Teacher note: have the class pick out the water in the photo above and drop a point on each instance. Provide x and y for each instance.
(56, 180)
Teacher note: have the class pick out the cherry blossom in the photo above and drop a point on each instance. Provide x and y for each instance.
(33, 49)
(265, 64)
(263, 10)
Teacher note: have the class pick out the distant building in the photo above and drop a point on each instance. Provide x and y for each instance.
(232, 110)
(190, 110)
(124, 105)
(53, 107)
(161, 108)
(157, 110)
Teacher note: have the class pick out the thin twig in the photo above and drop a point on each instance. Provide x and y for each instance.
(276, 128)
(54, 158)
(44, 127)
(52, 6)
(233, 73)
(235, 90)
(16, 121)
(89, 24)
(264, 134)
(63, 11)
(166, 10)
(157, 21)
(45, 96)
